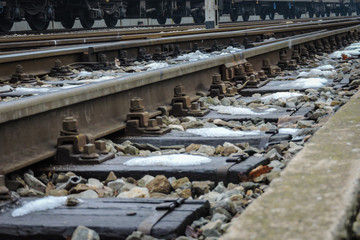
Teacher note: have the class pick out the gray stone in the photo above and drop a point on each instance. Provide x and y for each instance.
(222, 211)
(116, 185)
(34, 183)
(145, 180)
(202, 187)
(220, 188)
(88, 194)
(276, 164)
(136, 192)
(200, 222)
(207, 150)
(176, 127)
(273, 154)
(305, 124)
(192, 124)
(139, 236)
(225, 102)
(356, 228)
(249, 185)
(212, 229)
(84, 233)
(26, 192)
(219, 216)
(131, 150)
(94, 183)
(127, 186)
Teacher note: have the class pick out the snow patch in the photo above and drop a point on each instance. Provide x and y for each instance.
(239, 110)
(168, 160)
(193, 56)
(219, 132)
(156, 65)
(290, 131)
(39, 205)
(317, 73)
(279, 95)
(306, 83)
(84, 74)
(348, 53)
(327, 67)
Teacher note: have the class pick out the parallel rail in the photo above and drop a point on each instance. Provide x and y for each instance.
(30, 127)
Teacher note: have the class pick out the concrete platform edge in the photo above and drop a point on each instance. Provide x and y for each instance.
(317, 193)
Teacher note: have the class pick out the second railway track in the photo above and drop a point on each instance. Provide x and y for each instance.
(50, 126)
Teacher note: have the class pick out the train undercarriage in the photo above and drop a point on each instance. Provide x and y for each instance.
(39, 13)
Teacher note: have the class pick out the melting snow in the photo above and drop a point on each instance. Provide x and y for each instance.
(168, 160)
(219, 132)
(326, 67)
(84, 74)
(156, 65)
(193, 56)
(279, 95)
(317, 73)
(290, 131)
(306, 83)
(348, 53)
(30, 90)
(39, 205)
(239, 110)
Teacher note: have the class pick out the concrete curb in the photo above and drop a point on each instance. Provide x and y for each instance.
(317, 193)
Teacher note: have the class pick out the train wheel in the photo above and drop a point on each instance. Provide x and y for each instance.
(286, 15)
(177, 20)
(85, 19)
(298, 15)
(349, 12)
(271, 15)
(68, 23)
(199, 16)
(263, 16)
(161, 19)
(317, 14)
(246, 16)
(37, 22)
(5, 24)
(291, 15)
(110, 20)
(337, 13)
(311, 14)
(234, 16)
(328, 13)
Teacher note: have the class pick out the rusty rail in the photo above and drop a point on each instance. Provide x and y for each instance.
(29, 127)
(41, 61)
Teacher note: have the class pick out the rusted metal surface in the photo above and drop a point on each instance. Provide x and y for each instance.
(41, 61)
(30, 127)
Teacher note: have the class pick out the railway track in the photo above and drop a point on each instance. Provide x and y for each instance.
(262, 136)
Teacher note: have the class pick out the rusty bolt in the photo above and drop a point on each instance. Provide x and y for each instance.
(253, 78)
(194, 106)
(239, 70)
(249, 68)
(70, 124)
(261, 74)
(159, 121)
(100, 145)
(266, 62)
(179, 91)
(152, 125)
(216, 78)
(89, 151)
(136, 105)
(201, 104)
(58, 63)
(19, 69)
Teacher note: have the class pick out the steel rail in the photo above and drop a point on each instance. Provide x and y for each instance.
(41, 61)
(29, 127)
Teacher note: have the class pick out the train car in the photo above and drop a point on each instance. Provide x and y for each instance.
(39, 13)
